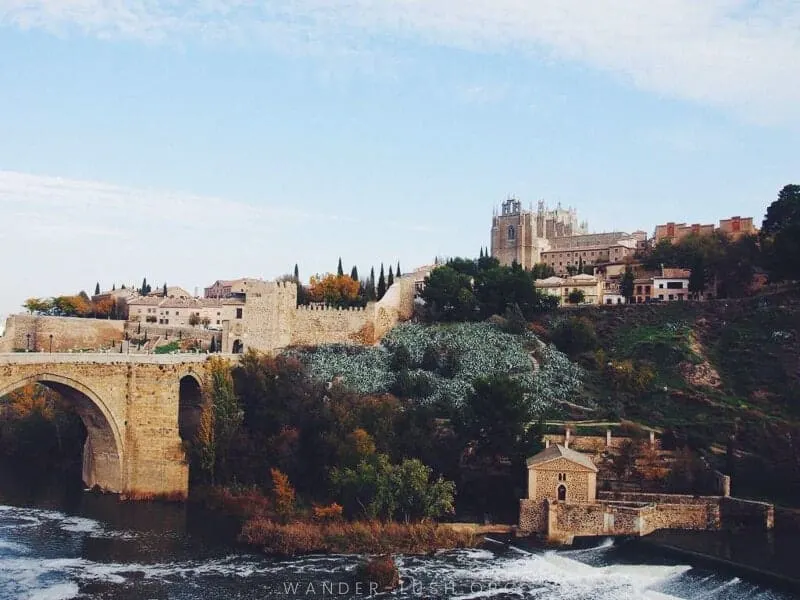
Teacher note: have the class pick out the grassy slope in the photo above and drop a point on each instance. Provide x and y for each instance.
(753, 344)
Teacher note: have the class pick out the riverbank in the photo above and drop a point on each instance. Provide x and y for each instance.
(764, 557)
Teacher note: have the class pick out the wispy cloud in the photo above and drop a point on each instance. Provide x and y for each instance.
(735, 54)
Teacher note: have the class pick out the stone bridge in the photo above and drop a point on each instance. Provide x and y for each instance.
(135, 409)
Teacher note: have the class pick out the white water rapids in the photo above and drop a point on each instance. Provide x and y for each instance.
(47, 555)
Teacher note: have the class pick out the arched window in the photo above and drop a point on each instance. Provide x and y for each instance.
(512, 233)
(562, 493)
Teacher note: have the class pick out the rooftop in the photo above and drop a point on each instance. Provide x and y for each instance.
(556, 451)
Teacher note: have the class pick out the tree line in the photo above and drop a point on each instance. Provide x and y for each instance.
(344, 290)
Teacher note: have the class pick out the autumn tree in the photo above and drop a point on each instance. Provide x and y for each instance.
(220, 419)
(283, 493)
(39, 306)
(334, 290)
(103, 308)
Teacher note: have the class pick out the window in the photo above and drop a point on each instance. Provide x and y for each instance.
(238, 313)
(562, 493)
(217, 321)
(675, 285)
(661, 286)
(177, 313)
(671, 297)
(512, 234)
(562, 476)
(661, 296)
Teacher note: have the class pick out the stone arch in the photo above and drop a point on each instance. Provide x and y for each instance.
(189, 405)
(562, 493)
(103, 450)
(237, 347)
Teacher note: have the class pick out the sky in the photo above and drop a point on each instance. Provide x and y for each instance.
(189, 141)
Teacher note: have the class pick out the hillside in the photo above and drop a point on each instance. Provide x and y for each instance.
(713, 372)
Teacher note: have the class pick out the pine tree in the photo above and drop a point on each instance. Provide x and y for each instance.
(354, 273)
(296, 273)
(371, 284)
(397, 273)
(339, 270)
(381, 284)
(390, 280)
(97, 289)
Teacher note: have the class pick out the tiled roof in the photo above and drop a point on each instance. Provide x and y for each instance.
(676, 273)
(556, 451)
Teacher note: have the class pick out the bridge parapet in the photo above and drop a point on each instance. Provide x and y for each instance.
(40, 358)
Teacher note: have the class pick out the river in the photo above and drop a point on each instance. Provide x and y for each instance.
(89, 546)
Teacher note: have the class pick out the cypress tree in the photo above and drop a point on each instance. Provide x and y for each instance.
(354, 273)
(339, 270)
(114, 287)
(371, 284)
(296, 273)
(123, 286)
(165, 289)
(481, 255)
(390, 281)
(97, 289)
(143, 291)
(381, 284)
(398, 274)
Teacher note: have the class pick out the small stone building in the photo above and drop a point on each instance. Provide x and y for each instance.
(558, 473)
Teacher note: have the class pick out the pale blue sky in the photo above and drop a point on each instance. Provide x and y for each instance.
(191, 141)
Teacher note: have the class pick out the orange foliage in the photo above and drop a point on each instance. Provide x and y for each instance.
(333, 289)
(103, 307)
(283, 493)
(332, 512)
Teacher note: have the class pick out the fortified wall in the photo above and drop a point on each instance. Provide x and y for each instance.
(33, 333)
(271, 319)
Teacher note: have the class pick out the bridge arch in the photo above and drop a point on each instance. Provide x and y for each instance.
(103, 450)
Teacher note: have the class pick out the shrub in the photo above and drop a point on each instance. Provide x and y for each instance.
(575, 336)
(331, 512)
(379, 574)
(283, 493)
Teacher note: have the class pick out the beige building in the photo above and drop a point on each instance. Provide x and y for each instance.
(735, 227)
(185, 312)
(561, 287)
(558, 473)
(228, 288)
(561, 260)
(521, 236)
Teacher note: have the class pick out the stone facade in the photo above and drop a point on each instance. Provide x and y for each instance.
(31, 332)
(271, 320)
(560, 514)
(130, 407)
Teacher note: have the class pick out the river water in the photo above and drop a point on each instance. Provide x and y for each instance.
(91, 546)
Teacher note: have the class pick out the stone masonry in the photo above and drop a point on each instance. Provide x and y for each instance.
(129, 405)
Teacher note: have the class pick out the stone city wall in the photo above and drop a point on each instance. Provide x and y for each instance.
(312, 326)
(32, 332)
(654, 498)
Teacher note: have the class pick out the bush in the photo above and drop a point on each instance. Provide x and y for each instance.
(362, 537)
(575, 336)
(379, 574)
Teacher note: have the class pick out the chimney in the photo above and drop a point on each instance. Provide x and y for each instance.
(608, 438)
(566, 439)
